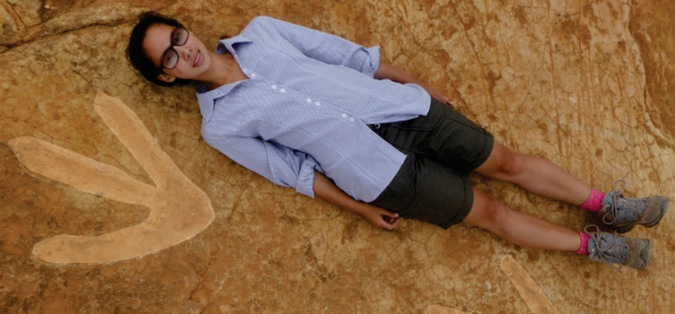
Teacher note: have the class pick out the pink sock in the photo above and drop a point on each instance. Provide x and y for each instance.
(583, 248)
(594, 201)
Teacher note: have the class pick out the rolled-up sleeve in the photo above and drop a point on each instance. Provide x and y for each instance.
(279, 164)
(324, 47)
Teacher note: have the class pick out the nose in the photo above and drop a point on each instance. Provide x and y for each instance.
(183, 51)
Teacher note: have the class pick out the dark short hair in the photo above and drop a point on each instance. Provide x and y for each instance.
(136, 54)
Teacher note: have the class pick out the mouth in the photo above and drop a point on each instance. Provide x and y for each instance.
(198, 59)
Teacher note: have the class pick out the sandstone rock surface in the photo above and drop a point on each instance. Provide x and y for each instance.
(585, 84)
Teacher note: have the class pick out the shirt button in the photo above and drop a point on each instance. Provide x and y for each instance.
(351, 119)
(308, 100)
(274, 87)
(283, 90)
(252, 74)
(344, 115)
(317, 104)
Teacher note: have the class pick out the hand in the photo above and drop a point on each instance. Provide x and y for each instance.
(388, 71)
(436, 94)
(380, 218)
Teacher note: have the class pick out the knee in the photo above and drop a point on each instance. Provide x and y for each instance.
(493, 216)
(498, 214)
(504, 164)
(511, 164)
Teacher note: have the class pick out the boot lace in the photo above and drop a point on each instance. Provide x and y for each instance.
(633, 206)
(611, 252)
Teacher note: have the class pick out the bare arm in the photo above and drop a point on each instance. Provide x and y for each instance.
(388, 71)
(378, 217)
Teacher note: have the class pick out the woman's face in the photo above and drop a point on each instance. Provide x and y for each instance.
(193, 60)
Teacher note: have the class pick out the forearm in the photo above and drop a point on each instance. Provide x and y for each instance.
(378, 217)
(388, 71)
(325, 189)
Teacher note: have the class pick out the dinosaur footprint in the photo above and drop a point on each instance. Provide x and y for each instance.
(532, 294)
(179, 209)
(529, 290)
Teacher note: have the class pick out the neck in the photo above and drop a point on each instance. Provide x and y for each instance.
(221, 70)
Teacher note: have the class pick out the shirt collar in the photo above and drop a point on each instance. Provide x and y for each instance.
(206, 98)
(230, 42)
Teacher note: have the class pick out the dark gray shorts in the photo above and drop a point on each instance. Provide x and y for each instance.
(433, 183)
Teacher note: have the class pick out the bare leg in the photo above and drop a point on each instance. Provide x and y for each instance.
(519, 228)
(534, 174)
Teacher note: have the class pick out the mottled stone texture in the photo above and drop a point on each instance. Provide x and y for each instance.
(586, 84)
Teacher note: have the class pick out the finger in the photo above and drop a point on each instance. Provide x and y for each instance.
(387, 226)
(387, 213)
(442, 98)
(395, 224)
(447, 100)
(391, 223)
(387, 219)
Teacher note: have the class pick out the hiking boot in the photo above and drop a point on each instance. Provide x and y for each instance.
(615, 249)
(623, 213)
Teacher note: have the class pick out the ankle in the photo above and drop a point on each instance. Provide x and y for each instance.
(594, 201)
(583, 246)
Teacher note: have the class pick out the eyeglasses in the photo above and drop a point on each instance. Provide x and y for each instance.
(179, 37)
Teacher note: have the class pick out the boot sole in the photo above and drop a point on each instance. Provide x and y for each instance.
(644, 254)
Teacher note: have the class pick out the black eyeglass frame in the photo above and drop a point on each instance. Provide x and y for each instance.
(171, 48)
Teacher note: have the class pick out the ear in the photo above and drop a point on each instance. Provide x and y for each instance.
(166, 78)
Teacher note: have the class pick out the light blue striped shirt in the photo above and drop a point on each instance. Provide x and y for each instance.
(306, 106)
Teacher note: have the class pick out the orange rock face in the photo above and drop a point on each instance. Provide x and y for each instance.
(587, 85)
